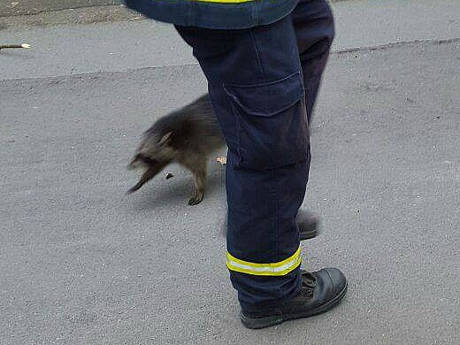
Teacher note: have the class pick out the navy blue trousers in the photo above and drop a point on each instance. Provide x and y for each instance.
(263, 84)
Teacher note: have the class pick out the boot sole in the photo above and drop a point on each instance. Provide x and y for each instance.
(263, 322)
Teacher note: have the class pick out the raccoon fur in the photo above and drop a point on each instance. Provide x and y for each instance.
(187, 136)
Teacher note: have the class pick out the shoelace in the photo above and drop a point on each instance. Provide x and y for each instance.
(308, 284)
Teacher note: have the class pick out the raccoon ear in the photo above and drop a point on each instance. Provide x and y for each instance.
(165, 139)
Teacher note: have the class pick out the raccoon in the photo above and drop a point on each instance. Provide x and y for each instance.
(187, 136)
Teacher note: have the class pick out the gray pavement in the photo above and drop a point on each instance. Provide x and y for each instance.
(18, 7)
(80, 263)
(125, 45)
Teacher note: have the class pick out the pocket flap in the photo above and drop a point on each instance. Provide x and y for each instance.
(267, 99)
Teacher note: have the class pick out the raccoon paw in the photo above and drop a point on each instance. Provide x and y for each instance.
(195, 200)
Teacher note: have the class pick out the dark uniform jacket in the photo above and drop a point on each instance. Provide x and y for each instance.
(214, 14)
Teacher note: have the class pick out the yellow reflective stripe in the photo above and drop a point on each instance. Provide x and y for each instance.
(271, 269)
(226, 1)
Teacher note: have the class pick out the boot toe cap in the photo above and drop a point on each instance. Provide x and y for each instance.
(337, 278)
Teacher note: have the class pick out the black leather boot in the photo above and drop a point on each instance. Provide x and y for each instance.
(320, 292)
(308, 224)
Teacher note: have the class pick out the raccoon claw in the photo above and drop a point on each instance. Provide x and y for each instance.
(195, 200)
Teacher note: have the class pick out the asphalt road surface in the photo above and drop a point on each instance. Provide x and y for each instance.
(81, 263)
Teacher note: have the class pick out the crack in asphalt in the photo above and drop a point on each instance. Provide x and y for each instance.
(382, 47)
(396, 45)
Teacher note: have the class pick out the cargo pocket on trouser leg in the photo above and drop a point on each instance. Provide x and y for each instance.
(272, 123)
